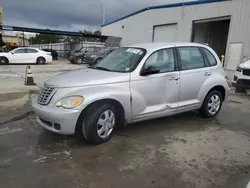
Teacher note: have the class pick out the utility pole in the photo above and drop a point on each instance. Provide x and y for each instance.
(23, 40)
(103, 11)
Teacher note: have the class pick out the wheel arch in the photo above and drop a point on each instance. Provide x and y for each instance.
(219, 88)
(40, 57)
(116, 103)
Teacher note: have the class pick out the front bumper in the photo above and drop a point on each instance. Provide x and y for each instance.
(58, 120)
(241, 81)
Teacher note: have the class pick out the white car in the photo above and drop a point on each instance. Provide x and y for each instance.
(241, 78)
(25, 55)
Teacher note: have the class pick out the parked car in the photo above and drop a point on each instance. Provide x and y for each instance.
(70, 53)
(241, 79)
(53, 53)
(25, 55)
(78, 57)
(132, 84)
(95, 57)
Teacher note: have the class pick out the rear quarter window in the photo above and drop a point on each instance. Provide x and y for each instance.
(210, 57)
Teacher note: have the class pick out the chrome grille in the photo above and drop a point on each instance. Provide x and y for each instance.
(45, 94)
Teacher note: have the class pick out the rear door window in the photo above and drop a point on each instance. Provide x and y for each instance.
(210, 57)
(191, 58)
(31, 51)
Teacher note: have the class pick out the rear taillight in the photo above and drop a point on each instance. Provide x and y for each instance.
(227, 79)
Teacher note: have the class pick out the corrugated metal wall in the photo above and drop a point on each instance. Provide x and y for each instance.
(139, 28)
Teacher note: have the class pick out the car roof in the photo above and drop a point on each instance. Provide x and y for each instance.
(155, 46)
(27, 48)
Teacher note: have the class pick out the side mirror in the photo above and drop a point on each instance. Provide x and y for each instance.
(12, 53)
(149, 70)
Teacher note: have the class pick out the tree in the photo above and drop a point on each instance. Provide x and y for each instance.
(98, 32)
(45, 39)
(70, 39)
(51, 38)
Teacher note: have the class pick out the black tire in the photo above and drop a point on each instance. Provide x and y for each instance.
(204, 110)
(98, 60)
(79, 60)
(40, 60)
(4, 60)
(90, 122)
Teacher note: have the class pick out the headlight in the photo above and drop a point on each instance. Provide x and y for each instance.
(239, 69)
(70, 102)
(93, 56)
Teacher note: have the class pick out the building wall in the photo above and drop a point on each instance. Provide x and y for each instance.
(139, 28)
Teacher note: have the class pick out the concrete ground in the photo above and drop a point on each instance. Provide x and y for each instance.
(12, 76)
(183, 151)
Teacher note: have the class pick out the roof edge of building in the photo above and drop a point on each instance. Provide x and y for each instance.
(188, 3)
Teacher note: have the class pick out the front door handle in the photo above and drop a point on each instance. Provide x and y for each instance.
(173, 78)
(207, 74)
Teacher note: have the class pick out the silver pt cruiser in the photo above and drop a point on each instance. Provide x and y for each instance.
(132, 84)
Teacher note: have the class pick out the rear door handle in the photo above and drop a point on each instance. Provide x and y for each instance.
(173, 78)
(207, 74)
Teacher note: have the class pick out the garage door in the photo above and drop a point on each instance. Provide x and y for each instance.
(165, 33)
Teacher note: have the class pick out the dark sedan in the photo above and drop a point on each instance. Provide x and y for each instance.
(78, 57)
(54, 53)
(93, 58)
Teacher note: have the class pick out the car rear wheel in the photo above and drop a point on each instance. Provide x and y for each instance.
(4, 60)
(99, 122)
(40, 60)
(212, 104)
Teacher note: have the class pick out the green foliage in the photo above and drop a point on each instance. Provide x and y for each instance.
(45, 39)
(50, 38)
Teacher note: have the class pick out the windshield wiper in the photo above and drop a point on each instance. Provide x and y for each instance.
(102, 68)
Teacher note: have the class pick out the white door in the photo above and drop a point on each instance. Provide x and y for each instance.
(165, 33)
(32, 55)
(19, 56)
(233, 58)
(155, 94)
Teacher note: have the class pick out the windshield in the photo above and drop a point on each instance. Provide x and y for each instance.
(121, 60)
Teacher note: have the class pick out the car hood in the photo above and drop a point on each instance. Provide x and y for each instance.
(87, 77)
(93, 53)
(245, 65)
(78, 53)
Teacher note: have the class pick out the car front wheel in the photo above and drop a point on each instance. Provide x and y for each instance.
(79, 60)
(212, 104)
(4, 60)
(99, 122)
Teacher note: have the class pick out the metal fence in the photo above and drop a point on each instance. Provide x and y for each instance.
(63, 48)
